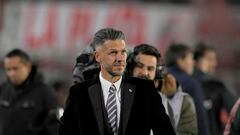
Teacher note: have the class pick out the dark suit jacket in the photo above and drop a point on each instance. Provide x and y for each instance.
(141, 110)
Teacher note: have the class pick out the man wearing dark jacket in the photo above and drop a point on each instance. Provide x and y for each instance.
(179, 60)
(111, 103)
(27, 105)
(218, 98)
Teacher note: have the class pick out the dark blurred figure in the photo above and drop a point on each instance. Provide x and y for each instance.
(217, 97)
(61, 92)
(179, 60)
(86, 67)
(27, 104)
(233, 124)
(205, 61)
(144, 62)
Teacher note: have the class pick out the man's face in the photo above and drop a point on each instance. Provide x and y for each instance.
(186, 64)
(17, 71)
(208, 62)
(112, 57)
(211, 58)
(145, 66)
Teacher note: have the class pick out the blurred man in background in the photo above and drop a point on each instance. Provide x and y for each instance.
(179, 60)
(218, 99)
(144, 62)
(205, 61)
(27, 104)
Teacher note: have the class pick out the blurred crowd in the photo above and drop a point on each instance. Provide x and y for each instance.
(195, 101)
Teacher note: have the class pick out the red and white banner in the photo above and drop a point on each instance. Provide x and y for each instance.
(63, 29)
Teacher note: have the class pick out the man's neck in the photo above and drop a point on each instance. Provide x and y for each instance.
(110, 78)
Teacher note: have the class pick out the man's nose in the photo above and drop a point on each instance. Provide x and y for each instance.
(144, 71)
(11, 73)
(121, 57)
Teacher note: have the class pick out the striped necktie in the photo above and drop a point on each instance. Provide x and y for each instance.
(112, 108)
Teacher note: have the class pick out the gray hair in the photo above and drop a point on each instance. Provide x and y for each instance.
(106, 34)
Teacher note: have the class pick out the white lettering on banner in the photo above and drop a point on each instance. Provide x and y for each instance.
(80, 25)
(48, 33)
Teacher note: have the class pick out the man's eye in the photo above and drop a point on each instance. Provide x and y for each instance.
(113, 53)
(150, 69)
(124, 52)
(139, 65)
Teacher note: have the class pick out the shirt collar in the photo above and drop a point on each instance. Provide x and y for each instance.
(106, 84)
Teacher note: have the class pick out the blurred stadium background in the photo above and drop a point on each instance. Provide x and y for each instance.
(54, 32)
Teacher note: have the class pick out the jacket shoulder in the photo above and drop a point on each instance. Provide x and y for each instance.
(81, 87)
(188, 104)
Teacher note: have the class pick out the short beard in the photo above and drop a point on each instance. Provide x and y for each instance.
(114, 74)
(110, 70)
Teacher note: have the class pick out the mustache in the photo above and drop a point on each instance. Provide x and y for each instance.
(119, 63)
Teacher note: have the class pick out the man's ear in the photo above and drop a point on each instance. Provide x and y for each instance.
(29, 65)
(97, 56)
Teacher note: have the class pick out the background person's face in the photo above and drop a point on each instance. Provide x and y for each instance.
(211, 58)
(145, 66)
(186, 64)
(112, 57)
(17, 71)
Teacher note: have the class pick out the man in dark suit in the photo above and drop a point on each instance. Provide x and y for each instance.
(113, 104)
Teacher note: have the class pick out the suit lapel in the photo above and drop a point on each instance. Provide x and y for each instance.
(95, 96)
(127, 101)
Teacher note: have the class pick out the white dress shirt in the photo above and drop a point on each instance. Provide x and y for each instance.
(105, 84)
